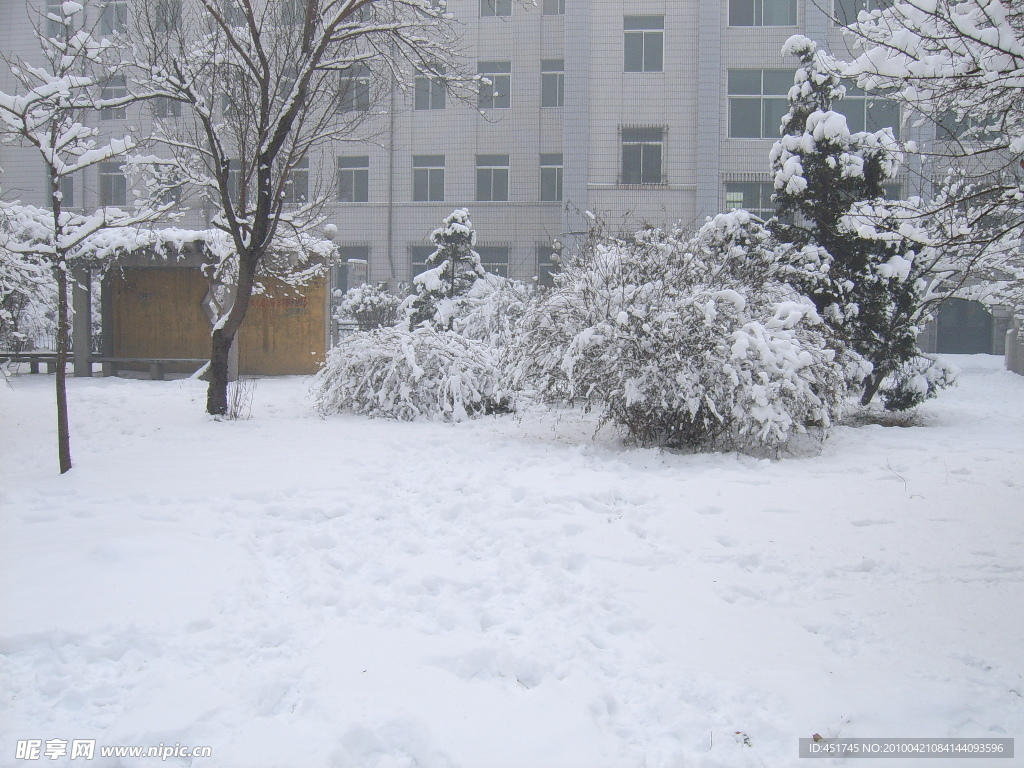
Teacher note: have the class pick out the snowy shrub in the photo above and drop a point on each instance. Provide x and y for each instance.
(370, 306)
(403, 374)
(914, 382)
(686, 342)
(491, 310)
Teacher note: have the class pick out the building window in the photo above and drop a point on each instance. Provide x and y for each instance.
(949, 128)
(428, 178)
(548, 265)
(762, 13)
(354, 179)
(342, 280)
(291, 12)
(429, 92)
(495, 7)
(846, 11)
(551, 176)
(497, 95)
(644, 43)
(494, 258)
(865, 112)
(166, 16)
(172, 195)
(113, 185)
(54, 15)
(164, 107)
(234, 181)
(554, 7)
(234, 15)
(113, 89)
(491, 178)
(355, 89)
(418, 255)
(642, 155)
(552, 82)
(115, 17)
(296, 185)
(758, 100)
(755, 197)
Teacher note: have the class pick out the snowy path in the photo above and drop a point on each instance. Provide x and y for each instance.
(303, 592)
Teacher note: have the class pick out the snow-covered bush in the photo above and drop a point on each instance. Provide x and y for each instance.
(370, 306)
(686, 342)
(914, 382)
(403, 374)
(491, 310)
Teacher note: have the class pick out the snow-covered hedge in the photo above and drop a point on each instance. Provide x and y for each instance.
(370, 306)
(686, 342)
(406, 375)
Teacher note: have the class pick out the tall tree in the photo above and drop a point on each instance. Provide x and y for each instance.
(46, 112)
(260, 84)
(829, 189)
(961, 64)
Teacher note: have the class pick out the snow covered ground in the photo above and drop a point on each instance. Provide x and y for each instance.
(344, 592)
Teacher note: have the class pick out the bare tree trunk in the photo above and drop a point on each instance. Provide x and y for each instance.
(63, 432)
(224, 336)
(217, 392)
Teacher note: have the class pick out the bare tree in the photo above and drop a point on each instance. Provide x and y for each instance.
(960, 65)
(46, 112)
(260, 83)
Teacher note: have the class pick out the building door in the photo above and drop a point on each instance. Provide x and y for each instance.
(965, 328)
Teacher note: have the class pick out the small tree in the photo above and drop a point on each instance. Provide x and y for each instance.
(46, 114)
(829, 189)
(452, 271)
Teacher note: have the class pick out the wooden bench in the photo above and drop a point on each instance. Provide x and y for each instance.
(157, 365)
(33, 358)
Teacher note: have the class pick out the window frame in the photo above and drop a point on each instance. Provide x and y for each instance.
(429, 92)
(739, 96)
(644, 138)
(553, 8)
(495, 8)
(757, 13)
(112, 183)
(114, 17)
(552, 83)
(428, 178)
(296, 185)
(500, 75)
(354, 88)
(356, 170)
(497, 266)
(552, 162)
(492, 178)
(645, 34)
(114, 88)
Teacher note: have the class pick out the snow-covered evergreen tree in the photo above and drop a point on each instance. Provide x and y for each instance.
(452, 271)
(829, 190)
